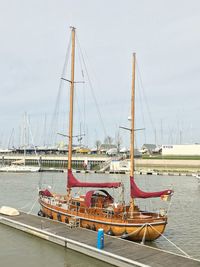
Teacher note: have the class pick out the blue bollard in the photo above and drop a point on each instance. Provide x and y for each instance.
(100, 239)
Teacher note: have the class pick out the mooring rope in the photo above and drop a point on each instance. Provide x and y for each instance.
(127, 235)
(144, 235)
(32, 206)
(188, 256)
(143, 239)
(29, 203)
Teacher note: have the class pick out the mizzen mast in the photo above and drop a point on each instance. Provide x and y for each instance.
(71, 100)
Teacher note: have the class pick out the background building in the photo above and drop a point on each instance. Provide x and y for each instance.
(181, 150)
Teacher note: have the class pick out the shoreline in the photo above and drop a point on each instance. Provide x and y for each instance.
(101, 164)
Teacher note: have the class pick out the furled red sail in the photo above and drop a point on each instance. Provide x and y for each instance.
(137, 193)
(73, 182)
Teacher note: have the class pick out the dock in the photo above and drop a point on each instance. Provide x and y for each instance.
(58, 161)
(117, 252)
(101, 164)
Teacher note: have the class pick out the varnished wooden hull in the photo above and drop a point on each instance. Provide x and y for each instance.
(135, 230)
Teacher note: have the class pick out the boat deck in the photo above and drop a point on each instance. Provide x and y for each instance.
(116, 251)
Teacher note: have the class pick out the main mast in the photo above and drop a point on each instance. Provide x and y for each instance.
(132, 115)
(71, 100)
(132, 128)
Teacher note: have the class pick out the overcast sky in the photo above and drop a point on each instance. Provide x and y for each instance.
(164, 34)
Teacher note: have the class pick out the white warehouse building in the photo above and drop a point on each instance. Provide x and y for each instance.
(181, 150)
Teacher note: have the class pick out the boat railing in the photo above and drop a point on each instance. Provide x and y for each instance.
(111, 213)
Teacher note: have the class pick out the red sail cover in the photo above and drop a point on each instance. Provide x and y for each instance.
(89, 195)
(73, 182)
(137, 193)
(45, 193)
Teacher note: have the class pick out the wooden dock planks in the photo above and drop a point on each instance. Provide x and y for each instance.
(116, 251)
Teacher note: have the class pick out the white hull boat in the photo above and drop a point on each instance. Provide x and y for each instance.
(16, 168)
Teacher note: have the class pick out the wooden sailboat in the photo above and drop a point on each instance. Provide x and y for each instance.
(97, 208)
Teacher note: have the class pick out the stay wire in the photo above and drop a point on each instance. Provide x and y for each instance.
(77, 98)
(83, 79)
(54, 121)
(145, 98)
(141, 102)
(92, 89)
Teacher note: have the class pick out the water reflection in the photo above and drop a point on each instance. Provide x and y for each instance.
(21, 250)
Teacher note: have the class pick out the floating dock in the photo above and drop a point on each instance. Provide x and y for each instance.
(117, 252)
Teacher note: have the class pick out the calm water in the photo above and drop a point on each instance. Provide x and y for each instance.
(20, 191)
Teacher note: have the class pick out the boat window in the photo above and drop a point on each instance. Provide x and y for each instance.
(76, 203)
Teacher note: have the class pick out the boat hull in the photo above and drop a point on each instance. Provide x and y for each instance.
(135, 230)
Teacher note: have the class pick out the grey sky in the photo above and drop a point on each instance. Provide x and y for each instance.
(164, 34)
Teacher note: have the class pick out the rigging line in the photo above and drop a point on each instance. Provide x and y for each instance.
(83, 78)
(53, 125)
(145, 98)
(66, 58)
(92, 90)
(75, 91)
(78, 106)
(141, 103)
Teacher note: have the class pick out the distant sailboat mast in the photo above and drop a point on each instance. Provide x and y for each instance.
(25, 136)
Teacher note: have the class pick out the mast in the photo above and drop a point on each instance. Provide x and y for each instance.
(132, 130)
(25, 137)
(132, 115)
(71, 100)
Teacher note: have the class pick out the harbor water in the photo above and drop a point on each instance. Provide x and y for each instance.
(20, 191)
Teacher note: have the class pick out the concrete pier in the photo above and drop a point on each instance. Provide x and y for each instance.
(58, 161)
(102, 162)
(116, 251)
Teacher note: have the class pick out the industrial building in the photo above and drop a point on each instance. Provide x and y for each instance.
(181, 150)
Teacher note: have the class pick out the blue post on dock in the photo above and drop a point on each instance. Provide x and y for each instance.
(100, 239)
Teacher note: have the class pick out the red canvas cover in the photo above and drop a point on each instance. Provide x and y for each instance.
(73, 182)
(46, 193)
(89, 195)
(137, 193)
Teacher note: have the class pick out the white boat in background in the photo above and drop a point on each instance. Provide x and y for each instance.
(19, 168)
(20, 164)
(198, 177)
(120, 165)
